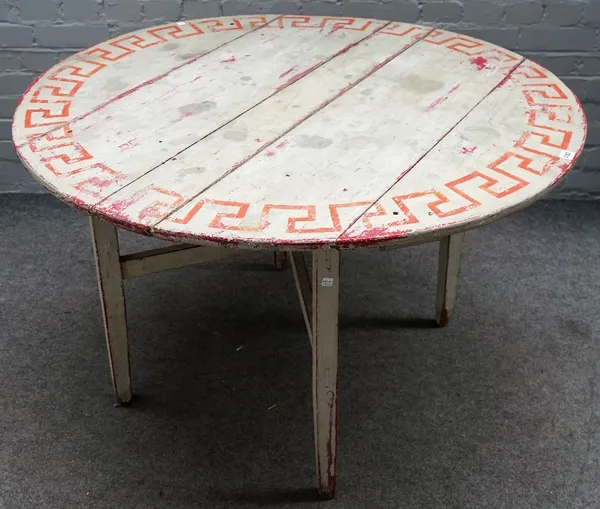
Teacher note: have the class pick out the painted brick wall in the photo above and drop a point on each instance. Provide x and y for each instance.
(563, 35)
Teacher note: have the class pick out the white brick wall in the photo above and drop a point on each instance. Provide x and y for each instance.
(563, 35)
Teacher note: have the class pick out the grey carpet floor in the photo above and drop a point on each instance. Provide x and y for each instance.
(498, 410)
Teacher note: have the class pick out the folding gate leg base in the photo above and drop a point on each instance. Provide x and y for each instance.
(113, 269)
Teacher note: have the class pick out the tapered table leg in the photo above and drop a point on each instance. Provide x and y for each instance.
(448, 273)
(112, 298)
(325, 292)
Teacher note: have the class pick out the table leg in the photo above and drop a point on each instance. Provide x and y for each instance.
(304, 287)
(448, 272)
(325, 293)
(279, 259)
(112, 298)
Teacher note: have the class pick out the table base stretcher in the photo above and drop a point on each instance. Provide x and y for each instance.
(319, 300)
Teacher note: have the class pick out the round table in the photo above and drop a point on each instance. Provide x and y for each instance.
(292, 134)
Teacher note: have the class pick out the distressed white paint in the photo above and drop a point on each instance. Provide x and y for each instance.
(143, 201)
(112, 300)
(325, 304)
(499, 125)
(329, 160)
(170, 257)
(448, 275)
(352, 150)
(294, 136)
(153, 124)
(123, 63)
(303, 286)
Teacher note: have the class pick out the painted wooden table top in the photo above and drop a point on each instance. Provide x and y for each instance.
(298, 131)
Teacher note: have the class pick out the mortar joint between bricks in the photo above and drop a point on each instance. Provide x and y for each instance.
(102, 10)
(420, 9)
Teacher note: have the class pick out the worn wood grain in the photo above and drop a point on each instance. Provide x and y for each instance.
(381, 127)
(154, 195)
(325, 304)
(296, 132)
(514, 146)
(291, 133)
(112, 299)
(111, 70)
(135, 133)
